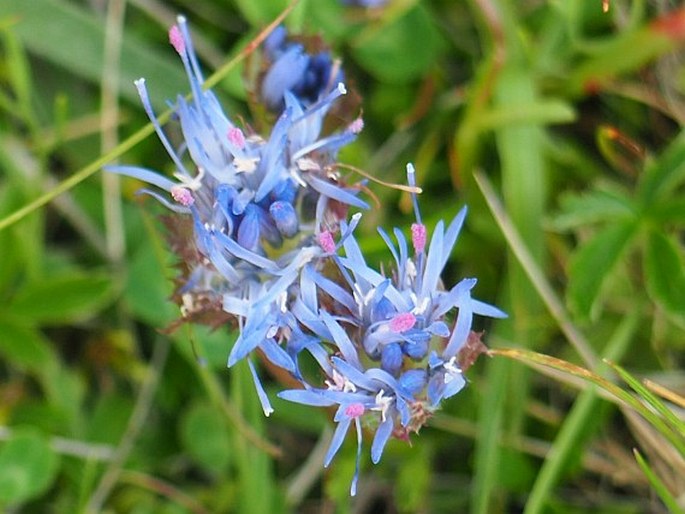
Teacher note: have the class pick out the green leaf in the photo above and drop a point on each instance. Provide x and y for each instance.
(148, 288)
(664, 273)
(591, 207)
(540, 111)
(73, 39)
(64, 298)
(664, 174)
(26, 348)
(593, 263)
(392, 53)
(205, 436)
(28, 467)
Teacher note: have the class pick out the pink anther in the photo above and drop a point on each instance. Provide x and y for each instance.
(182, 196)
(326, 241)
(354, 410)
(402, 322)
(236, 137)
(418, 236)
(176, 40)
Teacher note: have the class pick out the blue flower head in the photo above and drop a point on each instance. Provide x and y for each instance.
(389, 345)
(244, 192)
(266, 247)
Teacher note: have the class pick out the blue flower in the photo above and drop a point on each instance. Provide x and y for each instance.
(308, 77)
(373, 394)
(244, 192)
(388, 344)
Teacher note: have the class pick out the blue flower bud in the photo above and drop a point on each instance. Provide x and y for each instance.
(417, 345)
(391, 358)
(285, 217)
(414, 380)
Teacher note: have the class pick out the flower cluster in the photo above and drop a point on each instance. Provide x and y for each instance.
(272, 250)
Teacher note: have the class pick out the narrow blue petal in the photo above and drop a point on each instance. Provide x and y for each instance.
(355, 478)
(306, 397)
(452, 233)
(383, 433)
(461, 330)
(436, 386)
(143, 174)
(277, 355)
(454, 386)
(341, 339)
(434, 264)
(335, 291)
(248, 230)
(454, 297)
(337, 441)
(336, 193)
(243, 253)
(271, 163)
(308, 291)
(485, 309)
(403, 408)
(164, 201)
(221, 263)
(386, 238)
(354, 375)
(283, 75)
(263, 398)
(246, 342)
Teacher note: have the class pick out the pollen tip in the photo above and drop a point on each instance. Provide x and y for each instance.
(176, 39)
(326, 241)
(418, 237)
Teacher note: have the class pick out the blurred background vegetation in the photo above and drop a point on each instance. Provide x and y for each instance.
(559, 122)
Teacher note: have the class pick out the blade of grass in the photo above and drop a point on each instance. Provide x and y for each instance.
(535, 274)
(572, 430)
(658, 485)
(85, 172)
(666, 394)
(646, 395)
(626, 398)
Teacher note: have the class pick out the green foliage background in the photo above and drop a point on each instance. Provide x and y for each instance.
(557, 121)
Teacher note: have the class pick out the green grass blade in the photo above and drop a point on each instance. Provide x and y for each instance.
(650, 398)
(573, 428)
(658, 485)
